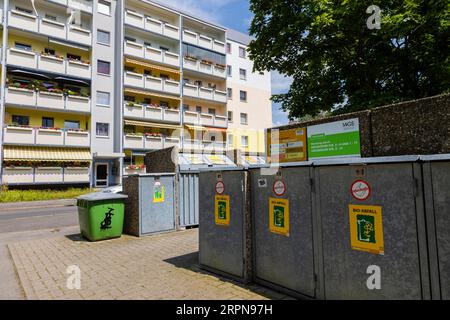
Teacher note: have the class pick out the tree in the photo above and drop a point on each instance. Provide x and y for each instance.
(338, 64)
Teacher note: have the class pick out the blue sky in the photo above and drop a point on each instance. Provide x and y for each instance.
(233, 14)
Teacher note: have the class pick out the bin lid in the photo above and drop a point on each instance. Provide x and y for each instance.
(435, 157)
(99, 196)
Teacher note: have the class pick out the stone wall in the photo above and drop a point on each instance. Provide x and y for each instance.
(160, 161)
(412, 127)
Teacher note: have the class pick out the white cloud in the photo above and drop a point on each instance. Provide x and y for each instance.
(280, 83)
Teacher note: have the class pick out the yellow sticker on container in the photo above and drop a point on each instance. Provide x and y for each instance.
(222, 210)
(158, 193)
(366, 228)
(279, 216)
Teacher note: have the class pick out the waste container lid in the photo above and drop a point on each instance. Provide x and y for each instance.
(98, 196)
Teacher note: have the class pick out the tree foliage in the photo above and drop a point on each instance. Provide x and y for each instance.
(338, 64)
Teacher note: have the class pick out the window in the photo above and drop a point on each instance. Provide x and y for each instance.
(147, 101)
(242, 52)
(73, 57)
(24, 10)
(243, 118)
(230, 93)
(212, 111)
(127, 38)
(103, 37)
(230, 139)
(22, 46)
(48, 122)
(71, 125)
(21, 120)
(244, 141)
(230, 116)
(49, 51)
(103, 67)
(243, 96)
(185, 107)
(228, 47)
(102, 98)
(102, 129)
(198, 109)
(243, 74)
(104, 7)
(164, 48)
(50, 17)
(147, 44)
(129, 98)
(164, 104)
(164, 76)
(229, 71)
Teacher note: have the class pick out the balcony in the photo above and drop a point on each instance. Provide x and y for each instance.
(204, 41)
(148, 141)
(45, 137)
(204, 67)
(44, 99)
(49, 63)
(151, 83)
(29, 175)
(204, 93)
(151, 112)
(48, 27)
(160, 56)
(156, 26)
(205, 119)
(83, 5)
(204, 146)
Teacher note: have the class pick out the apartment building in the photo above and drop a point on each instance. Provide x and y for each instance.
(89, 86)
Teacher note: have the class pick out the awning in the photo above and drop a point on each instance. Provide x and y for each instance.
(17, 153)
(151, 65)
(68, 44)
(206, 128)
(30, 73)
(151, 124)
(147, 93)
(72, 80)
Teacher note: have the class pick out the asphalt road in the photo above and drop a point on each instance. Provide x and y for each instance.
(24, 219)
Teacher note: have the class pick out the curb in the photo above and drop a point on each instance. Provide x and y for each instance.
(37, 204)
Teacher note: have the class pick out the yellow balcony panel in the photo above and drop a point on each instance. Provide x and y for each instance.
(135, 62)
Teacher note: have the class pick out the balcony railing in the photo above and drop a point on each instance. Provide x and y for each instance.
(204, 93)
(199, 145)
(150, 53)
(204, 67)
(31, 22)
(83, 5)
(28, 175)
(138, 20)
(205, 119)
(49, 63)
(151, 112)
(45, 137)
(148, 142)
(47, 99)
(204, 41)
(152, 83)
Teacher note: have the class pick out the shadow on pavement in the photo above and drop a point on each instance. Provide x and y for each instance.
(77, 237)
(190, 262)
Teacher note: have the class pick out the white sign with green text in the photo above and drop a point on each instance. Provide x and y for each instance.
(335, 139)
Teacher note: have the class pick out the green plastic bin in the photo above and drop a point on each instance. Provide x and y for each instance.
(101, 215)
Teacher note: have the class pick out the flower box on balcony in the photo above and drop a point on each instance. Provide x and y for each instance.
(79, 62)
(134, 135)
(190, 58)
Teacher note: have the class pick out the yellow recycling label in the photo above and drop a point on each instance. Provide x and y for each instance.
(366, 228)
(279, 216)
(158, 193)
(222, 210)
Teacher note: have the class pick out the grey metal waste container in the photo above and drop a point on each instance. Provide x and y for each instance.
(188, 198)
(150, 206)
(224, 228)
(283, 229)
(436, 172)
(372, 223)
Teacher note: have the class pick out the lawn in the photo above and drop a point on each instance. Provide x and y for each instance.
(7, 195)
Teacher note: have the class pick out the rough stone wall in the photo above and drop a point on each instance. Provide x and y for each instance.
(160, 161)
(413, 127)
(131, 217)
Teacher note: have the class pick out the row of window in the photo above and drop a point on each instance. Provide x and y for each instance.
(242, 72)
(242, 51)
(243, 117)
(242, 95)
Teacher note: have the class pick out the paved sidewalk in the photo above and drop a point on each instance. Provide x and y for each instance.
(156, 267)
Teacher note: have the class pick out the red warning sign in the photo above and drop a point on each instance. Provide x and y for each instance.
(279, 188)
(220, 187)
(360, 190)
